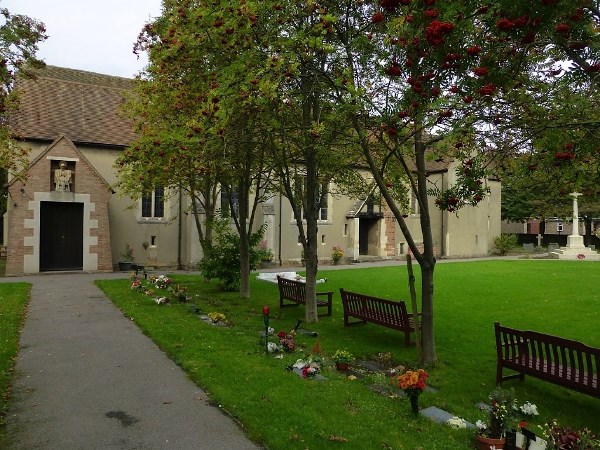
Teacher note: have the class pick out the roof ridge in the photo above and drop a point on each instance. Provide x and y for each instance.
(84, 77)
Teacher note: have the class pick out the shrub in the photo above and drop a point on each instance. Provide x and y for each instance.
(504, 243)
(222, 258)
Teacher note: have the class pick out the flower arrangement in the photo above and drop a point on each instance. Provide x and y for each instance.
(502, 414)
(502, 406)
(128, 254)
(179, 292)
(216, 317)
(561, 437)
(161, 300)
(412, 381)
(457, 423)
(309, 371)
(136, 285)
(342, 356)
(287, 340)
(337, 253)
(264, 252)
(161, 281)
(529, 409)
(308, 367)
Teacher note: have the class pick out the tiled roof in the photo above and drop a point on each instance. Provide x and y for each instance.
(80, 105)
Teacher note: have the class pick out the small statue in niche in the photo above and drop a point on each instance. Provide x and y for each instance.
(62, 178)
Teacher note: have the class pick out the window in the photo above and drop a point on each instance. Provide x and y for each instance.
(559, 227)
(226, 208)
(153, 204)
(414, 203)
(322, 199)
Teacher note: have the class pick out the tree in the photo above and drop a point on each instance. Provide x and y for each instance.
(19, 39)
(413, 80)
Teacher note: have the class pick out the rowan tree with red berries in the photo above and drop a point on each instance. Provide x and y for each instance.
(412, 79)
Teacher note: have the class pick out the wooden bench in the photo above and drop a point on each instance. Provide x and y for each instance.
(295, 291)
(565, 362)
(389, 313)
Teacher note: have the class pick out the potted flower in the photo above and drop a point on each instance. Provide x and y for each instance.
(127, 258)
(501, 417)
(342, 359)
(265, 254)
(337, 253)
(412, 382)
(179, 292)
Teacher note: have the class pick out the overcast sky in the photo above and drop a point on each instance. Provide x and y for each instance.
(93, 35)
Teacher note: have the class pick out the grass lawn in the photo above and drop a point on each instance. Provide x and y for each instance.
(13, 303)
(283, 411)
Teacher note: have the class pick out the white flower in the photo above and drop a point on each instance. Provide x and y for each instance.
(457, 422)
(480, 425)
(529, 409)
(272, 347)
(270, 330)
(161, 300)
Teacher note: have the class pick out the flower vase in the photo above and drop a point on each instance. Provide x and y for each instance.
(414, 403)
(342, 366)
(486, 443)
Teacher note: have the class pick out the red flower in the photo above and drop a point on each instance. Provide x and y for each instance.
(481, 71)
(474, 50)
(377, 17)
(505, 24)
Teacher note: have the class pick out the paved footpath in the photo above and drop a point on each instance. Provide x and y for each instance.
(87, 378)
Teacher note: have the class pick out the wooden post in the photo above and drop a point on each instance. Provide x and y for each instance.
(415, 312)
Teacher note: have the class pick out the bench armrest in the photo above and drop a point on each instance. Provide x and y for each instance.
(328, 294)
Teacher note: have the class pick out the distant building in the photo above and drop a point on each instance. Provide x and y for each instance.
(69, 120)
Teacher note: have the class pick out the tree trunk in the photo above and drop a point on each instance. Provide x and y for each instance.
(427, 335)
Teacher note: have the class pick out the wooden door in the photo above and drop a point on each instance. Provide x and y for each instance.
(61, 236)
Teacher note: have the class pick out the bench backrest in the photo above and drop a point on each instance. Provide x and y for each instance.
(291, 288)
(357, 303)
(565, 360)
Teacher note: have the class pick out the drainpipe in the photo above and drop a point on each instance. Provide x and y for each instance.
(443, 237)
(179, 231)
(279, 237)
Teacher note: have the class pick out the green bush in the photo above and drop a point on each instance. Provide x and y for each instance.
(504, 243)
(222, 259)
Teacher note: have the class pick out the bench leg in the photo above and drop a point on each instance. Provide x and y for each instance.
(407, 342)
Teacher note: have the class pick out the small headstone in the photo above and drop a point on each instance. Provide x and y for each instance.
(440, 416)
(528, 247)
(553, 246)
